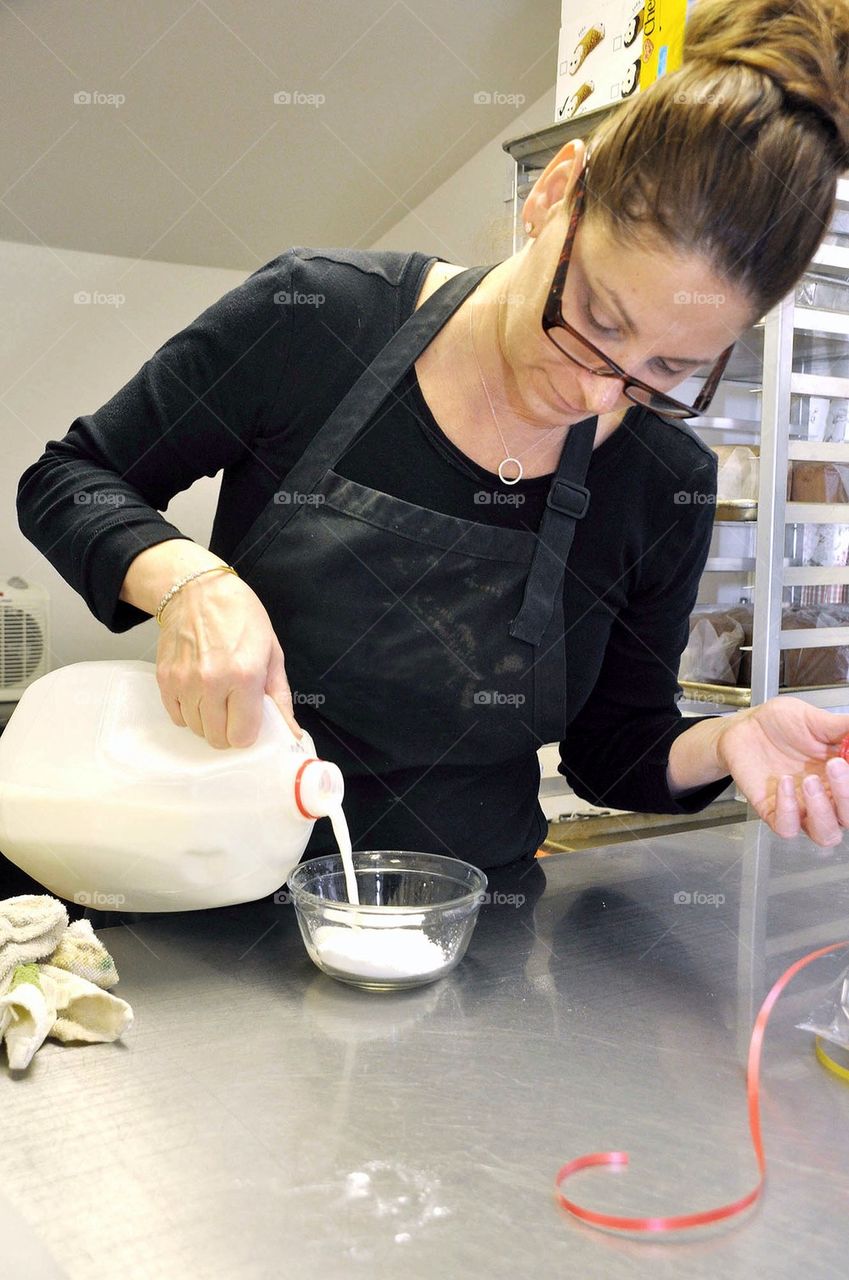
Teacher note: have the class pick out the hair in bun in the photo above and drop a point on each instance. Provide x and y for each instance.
(736, 155)
(801, 47)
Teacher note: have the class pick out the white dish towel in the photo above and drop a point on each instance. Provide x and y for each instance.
(53, 980)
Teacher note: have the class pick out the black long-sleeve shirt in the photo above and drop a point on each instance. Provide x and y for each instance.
(241, 391)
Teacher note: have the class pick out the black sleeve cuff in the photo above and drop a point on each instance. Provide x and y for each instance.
(117, 547)
(651, 773)
(642, 787)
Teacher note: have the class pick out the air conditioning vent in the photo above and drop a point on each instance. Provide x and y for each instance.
(24, 638)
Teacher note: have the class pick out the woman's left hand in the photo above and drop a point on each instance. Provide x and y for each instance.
(783, 755)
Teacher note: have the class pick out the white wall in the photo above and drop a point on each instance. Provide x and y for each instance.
(60, 359)
(466, 220)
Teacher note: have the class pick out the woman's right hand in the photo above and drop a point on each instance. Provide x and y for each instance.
(217, 657)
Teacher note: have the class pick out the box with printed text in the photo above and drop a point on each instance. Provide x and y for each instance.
(622, 47)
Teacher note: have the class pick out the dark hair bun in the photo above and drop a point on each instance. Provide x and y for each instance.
(801, 45)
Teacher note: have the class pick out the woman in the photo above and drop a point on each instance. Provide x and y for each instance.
(409, 520)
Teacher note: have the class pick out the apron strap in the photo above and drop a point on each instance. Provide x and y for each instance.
(567, 499)
(377, 380)
(567, 502)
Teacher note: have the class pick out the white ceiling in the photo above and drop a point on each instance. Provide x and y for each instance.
(199, 165)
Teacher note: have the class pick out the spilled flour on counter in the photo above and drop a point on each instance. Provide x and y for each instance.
(381, 954)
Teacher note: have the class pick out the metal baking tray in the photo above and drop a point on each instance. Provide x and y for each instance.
(826, 293)
(726, 695)
(732, 695)
(737, 509)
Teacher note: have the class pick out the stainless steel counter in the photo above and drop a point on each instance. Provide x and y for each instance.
(262, 1120)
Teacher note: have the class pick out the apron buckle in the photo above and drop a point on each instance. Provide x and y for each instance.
(569, 498)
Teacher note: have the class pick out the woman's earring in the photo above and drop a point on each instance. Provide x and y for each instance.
(529, 228)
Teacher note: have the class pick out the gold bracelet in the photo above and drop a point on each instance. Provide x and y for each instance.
(178, 586)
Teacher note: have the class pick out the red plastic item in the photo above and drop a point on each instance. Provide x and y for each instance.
(298, 801)
(618, 1158)
(844, 748)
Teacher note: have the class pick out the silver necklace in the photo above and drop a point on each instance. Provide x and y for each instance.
(509, 458)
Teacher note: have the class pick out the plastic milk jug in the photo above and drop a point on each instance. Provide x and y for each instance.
(106, 802)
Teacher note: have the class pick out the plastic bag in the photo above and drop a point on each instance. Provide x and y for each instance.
(737, 472)
(830, 1019)
(712, 655)
(819, 418)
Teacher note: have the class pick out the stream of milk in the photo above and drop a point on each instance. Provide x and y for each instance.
(360, 948)
(343, 839)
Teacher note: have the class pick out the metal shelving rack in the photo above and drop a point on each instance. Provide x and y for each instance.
(767, 365)
(531, 152)
(779, 359)
(783, 351)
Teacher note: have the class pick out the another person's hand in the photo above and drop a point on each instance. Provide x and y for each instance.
(217, 657)
(784, 757)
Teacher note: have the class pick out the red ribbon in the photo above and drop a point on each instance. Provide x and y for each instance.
(619, 1158)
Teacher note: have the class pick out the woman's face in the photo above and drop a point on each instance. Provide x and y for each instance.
(647, 309)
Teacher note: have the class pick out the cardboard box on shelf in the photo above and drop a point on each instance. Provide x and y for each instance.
(819, 482)
(614, 48)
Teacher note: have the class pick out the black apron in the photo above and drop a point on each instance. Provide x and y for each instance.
(425, 652)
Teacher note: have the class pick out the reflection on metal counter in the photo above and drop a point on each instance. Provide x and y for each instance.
(265, 1111)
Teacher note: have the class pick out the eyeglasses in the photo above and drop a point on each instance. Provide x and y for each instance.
(582, 352)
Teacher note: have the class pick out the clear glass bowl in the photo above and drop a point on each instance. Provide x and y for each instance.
(416, 914)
